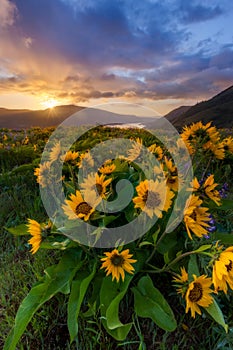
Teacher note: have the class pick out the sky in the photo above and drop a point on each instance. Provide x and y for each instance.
(162, 54)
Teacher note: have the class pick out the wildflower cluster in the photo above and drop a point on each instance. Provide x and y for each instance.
(194, 255)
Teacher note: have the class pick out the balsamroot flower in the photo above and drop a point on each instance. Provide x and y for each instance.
(228, 144)
(76, 206)
(223, 270)
(206, 136)
(198, 294)
(196, 218)
(116, 263)
(156, 150)
(207, 188)
(171, 175)
(55, 152)
(70, 157)
(95, 183)
(136, 149)
(153, 197)
(42, 174)
(181, 281)
(35, 231)
(107, 169)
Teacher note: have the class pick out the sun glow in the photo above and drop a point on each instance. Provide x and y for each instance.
(50, 103)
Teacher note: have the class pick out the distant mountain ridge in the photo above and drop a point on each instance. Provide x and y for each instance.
(218, 109)
(24, 118)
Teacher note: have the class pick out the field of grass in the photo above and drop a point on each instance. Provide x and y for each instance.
(20, 153)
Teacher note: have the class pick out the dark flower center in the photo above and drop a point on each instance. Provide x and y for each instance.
(196, 293)
(194, 216)
(171, 180)
(173, 173)
(152, 199)
(229, 266)
(83, 208)
(190, 137)
(99, 188)
(201, 133)
(117, 260)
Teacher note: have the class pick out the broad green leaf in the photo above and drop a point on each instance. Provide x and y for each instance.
(78, 291)
(192, 267)
(225, 238)
(150, 303)
(215, 311)
(57, 279)
(19, 230)
(167, 243)
(111, 294)
(112, 311)
(96, 286)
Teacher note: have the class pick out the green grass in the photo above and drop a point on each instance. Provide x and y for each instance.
(19, 200)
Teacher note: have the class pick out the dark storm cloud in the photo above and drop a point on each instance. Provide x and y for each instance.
(105, 34)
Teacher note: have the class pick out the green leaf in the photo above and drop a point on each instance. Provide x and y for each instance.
(22, 169)
(57, 242)
(111, 294)
(225, 238)
(78, 291)
(203, 248)
(192, 267)
(145, 243)
(215, 311)
(226, 204)
(95, 294)
(97, 233)
(150, 303)
(167, 243)
(112, 311)
(108, 219)
(57, 279)
(166, 257)
(130, 213)
(19, 230)
(155, 235)
(121, 166)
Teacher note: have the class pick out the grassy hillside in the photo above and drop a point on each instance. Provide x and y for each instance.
(20, 153)
(218, 109)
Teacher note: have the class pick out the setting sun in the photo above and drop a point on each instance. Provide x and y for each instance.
(50, 103)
